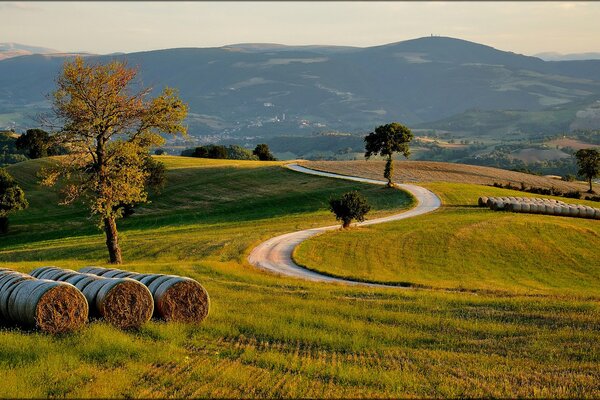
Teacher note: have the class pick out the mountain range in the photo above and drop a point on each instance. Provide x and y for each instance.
(265, 90)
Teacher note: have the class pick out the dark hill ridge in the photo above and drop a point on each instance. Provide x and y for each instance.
(268, 89)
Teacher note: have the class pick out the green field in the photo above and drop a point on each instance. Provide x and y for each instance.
(467, 248)
(271, 336)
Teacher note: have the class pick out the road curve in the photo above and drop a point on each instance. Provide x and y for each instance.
(275, 254)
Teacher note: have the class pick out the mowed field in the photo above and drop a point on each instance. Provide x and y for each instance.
(433, 171)
(268, 336)
(463, 247)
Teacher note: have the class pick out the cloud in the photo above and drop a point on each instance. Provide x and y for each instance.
(19, 5)
(570, 5)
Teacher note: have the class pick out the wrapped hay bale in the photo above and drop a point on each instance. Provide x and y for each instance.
(53, 307)
(490, 201)
(549, 209)
(498, 205)
(589, 212)
(564, 210)
(124, 303)
(516, 207)
(534, 208)
(482, 201)
(176, 298)
(525, 207)
(597, 213)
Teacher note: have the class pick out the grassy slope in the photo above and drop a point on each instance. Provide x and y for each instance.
(270, 336)
(467, 248)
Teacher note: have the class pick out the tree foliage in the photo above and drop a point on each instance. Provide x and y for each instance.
(263, 152)
(12, 198)
(109, 124)
(351, 206)
(232, 152)
(387, 140)
(588, 161)
(38, 143)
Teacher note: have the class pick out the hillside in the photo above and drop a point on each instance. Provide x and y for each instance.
(9, 50)
(429, 171)
(273, 90)
(269, 336)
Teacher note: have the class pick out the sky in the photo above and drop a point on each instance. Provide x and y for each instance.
(106, 27)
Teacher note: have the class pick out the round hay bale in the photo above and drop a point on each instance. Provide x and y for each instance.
(564, 211)
(181, 299)
(597, 213)
(159, 281)
(573, 211)
(54, 275)
(91, 291)
(55, 308)
(22, 290)
(534, 208)
(497, 205)
(148, 279)
(82, 284)
(516, 207)
(112, 274)
(482, 201)
(36, 272)
(125, 303)
(9, 284)
(525, 207)
(73, 280)
(549, 209)
(589, 212)
(94, 270)
(490, 201)
(126, 274)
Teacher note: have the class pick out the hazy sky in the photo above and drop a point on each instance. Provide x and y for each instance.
(104, 27)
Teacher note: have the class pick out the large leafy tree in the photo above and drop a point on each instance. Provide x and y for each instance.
(12, 198)
(588, 161)
(387, 140)
(109, 124)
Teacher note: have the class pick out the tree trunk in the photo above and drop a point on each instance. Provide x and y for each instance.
(346, 223)
(389, 170)
(112, 240)
(591, 190)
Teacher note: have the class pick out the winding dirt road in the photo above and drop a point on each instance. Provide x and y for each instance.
(275, 255)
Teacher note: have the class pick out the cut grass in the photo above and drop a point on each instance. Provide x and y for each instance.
(268, 336)
(432, 171)
(466, 248)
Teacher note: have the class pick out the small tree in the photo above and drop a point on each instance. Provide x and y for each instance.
(387, 140)
(159, 152)
(12, 198)
(109, 128)
(351, 205)
(38, 143)
(588, 161)
(263, 152)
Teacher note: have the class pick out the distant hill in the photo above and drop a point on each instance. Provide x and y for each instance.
(9, 50)
(265, 90)
(552, 56)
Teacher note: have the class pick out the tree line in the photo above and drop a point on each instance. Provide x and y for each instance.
(232, 152)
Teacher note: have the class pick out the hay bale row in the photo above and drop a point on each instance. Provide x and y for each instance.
(53, 307)
(176, 298)
(534, 205)
(124, 303)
